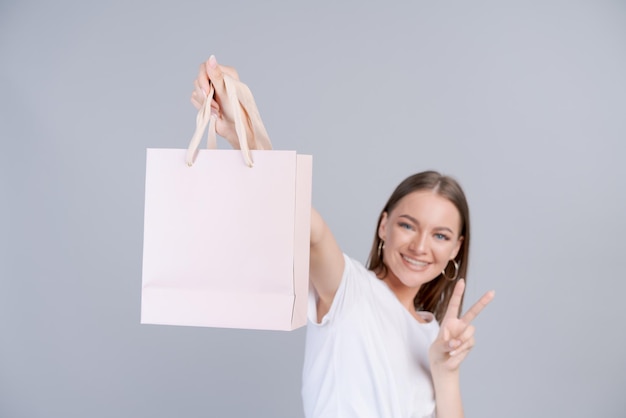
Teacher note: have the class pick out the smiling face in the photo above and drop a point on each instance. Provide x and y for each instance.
(421, 234)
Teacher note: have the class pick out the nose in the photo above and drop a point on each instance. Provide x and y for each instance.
(419, 243)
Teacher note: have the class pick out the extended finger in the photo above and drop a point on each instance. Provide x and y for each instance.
(455, 301)
(479, 306)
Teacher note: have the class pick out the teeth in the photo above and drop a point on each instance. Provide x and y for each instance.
(414, 262)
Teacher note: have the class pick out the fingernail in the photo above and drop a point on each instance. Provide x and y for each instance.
(212, 61)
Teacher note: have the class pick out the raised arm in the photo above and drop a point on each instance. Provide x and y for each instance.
(327, 263)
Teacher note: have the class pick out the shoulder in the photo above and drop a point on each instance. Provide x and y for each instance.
(355, 271)
(356, 281)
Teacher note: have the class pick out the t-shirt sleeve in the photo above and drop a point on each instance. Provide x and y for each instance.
(348, 291)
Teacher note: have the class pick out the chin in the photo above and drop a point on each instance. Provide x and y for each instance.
(415, 279)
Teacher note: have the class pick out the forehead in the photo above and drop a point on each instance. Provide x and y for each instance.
(429, 209)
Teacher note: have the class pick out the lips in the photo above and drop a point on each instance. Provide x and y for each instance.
(414, 262)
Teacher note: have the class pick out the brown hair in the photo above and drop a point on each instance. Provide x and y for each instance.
(433, 296)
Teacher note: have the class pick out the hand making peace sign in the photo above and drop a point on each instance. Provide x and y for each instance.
(456, 335)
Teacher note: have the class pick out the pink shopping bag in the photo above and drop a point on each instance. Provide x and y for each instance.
(226, 244)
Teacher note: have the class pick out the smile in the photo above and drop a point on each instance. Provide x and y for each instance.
(414, 262)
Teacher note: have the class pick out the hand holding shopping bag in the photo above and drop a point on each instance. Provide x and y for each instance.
(226, 240)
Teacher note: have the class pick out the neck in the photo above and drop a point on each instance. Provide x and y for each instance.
(406, 295)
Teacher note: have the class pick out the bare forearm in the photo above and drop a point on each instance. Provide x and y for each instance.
(326, 262)
(318, 227)
(448, 395)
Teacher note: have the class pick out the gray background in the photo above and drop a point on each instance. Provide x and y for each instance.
(524, 102)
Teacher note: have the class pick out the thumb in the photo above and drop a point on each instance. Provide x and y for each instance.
(216, 76)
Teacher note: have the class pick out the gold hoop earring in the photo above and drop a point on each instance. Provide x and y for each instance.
(381, 247)
(456, 271)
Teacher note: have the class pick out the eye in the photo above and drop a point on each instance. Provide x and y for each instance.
(442, 237)
(405, 225)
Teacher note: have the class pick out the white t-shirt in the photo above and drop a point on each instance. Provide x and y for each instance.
(368, 357)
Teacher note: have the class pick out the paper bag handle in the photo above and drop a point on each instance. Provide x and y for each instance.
(242, 101)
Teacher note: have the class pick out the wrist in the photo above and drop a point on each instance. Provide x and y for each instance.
(447, 386)
(444, 374)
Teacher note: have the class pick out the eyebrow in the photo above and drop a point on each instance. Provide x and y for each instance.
(416, 222)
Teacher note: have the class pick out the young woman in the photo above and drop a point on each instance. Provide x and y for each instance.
(386, 340)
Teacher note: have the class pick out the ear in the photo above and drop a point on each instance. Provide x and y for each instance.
(456, 249)
(382, 228)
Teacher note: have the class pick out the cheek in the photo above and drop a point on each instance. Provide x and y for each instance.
(444, 251)
(397, 237)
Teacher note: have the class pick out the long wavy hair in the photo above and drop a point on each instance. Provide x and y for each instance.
(433, 296)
